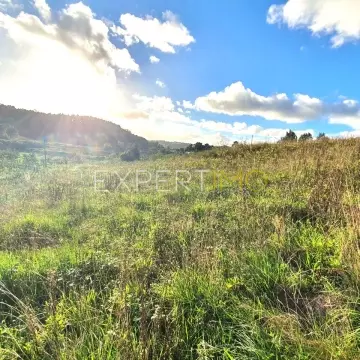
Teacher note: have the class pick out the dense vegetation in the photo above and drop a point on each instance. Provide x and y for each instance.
(198, 147)
(262, 263)
(174, 145)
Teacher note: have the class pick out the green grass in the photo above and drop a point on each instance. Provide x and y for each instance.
(266, 266)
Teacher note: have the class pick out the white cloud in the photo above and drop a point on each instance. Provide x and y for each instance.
(76, 28)
(154, 60)
(68, 65)
(238, 100)
(6, 5)
(352, 121)
(162, 121)
(160, 83)
(338, 18)
(153, 104)
(347, 112)
(347, 134)
(164, 35)
(43, 9)
(187, 105)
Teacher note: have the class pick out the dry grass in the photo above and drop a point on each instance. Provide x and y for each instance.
(265, 267)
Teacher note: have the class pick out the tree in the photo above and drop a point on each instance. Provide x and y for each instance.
(235, 143)
(131, 155)
(199, 146)
(189, 148)
(290, 136)
(305, 137)
(322, 136)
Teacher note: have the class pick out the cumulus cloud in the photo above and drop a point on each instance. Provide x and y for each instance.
(346, 112)
(339, 18)
(43, 9)
(238, 100)
(187, 105)
(160, 83)
(78, 29)
(154, 60)
(153, 104)
(164, 121)
(164, 35)
(65, 65)
(346, 134)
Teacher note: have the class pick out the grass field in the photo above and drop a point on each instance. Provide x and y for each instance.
(261, 262)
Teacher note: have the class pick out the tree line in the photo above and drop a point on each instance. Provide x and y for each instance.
(291, 136)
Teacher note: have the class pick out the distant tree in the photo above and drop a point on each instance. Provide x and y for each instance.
(166, 150)
(235, 143)
(305, 137)
(322, 136)
(131, 155)
(290, 136)
(198, 146)
(189, 148)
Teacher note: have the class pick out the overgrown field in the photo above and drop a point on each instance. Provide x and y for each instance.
(261, 262)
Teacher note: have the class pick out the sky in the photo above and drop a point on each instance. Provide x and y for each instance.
(184, 70)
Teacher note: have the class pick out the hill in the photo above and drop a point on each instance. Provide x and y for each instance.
(173, 145)
(67, 129)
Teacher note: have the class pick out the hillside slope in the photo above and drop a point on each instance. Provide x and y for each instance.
(68, 129)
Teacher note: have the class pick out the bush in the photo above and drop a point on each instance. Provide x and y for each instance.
(290, 136)
(131, 155)
(305, 137)
(198, 147)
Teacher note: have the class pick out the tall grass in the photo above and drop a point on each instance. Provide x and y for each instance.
(264, 267)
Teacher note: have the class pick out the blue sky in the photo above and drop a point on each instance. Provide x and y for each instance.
(246, 69)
